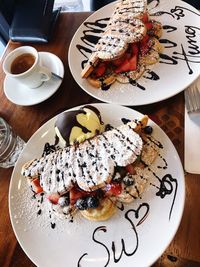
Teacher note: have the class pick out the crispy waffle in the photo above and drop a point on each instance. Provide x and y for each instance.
(89, 164)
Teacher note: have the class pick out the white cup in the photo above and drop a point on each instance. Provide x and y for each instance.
(34, 76)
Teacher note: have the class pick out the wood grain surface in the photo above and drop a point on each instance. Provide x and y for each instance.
(184, 249)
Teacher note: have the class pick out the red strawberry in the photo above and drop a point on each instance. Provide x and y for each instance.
(53, 198)
(145, 18)
(76, 193)
(99, 70)
(145, 39)
(129, 64)
(125, 66)
(117, 62)
(130, 169)
(36, 186)
(113, 189)
(149, 25)
(145, 45)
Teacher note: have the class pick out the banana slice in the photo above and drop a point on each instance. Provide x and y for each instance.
(142, 123)
(157, 46)
(105, 210)
(157, 29)
(152, 56)
(102, 82)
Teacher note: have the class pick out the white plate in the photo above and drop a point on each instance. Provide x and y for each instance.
(181, 37)
(21, 95)
(144, 240)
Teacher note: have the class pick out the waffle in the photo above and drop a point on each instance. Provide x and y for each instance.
(89, 164)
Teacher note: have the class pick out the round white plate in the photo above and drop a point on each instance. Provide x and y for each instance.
(179, 64)
(21, 95)
(138, 235)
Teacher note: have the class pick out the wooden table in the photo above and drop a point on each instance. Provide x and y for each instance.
(185, 247)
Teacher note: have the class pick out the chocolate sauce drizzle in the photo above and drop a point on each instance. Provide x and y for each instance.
(90, 37)
(151, 75)
(168, 185)
(138, 215)
(178, 11)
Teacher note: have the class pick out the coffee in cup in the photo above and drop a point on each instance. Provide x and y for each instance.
(23, 65)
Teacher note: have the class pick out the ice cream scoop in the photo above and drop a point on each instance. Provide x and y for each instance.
(77, 125)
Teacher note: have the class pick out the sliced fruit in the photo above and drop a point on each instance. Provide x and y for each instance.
(130, 169)
(129, 64)
(117, 62)
(152, 57)
(36, 186)
(131, 75)
(103, 81)
(144, 45)
(76, 193)
(145, 17)
(113, 189)
(145, 39)
(53, 198)
(99, 70)
(149, 25)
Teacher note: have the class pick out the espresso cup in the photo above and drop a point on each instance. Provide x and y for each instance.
(23, 65)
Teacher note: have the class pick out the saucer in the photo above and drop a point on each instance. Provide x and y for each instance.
(22, 95)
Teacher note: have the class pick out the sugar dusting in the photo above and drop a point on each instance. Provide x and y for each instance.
(33, 212)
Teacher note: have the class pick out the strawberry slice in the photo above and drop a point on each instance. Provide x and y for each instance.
(125, 66)
(131, 63)
(99, 70)
(144, 45)
(75, 193)
(145, 17)
(117, 62)
(145, 39)
(53, 198)
(113, 189)
(36, 186)
(130, 169)
(149, 25)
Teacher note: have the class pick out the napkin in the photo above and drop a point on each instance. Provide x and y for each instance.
(192, 142)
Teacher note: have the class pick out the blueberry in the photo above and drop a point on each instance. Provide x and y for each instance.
(99, 193)
(92, 202)
(64, 201)
(117, 178)
(148, 130)
(128, 180)
(81, 204)
(120, 170)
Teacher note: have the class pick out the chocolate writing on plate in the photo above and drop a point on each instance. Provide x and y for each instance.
(114, 252)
